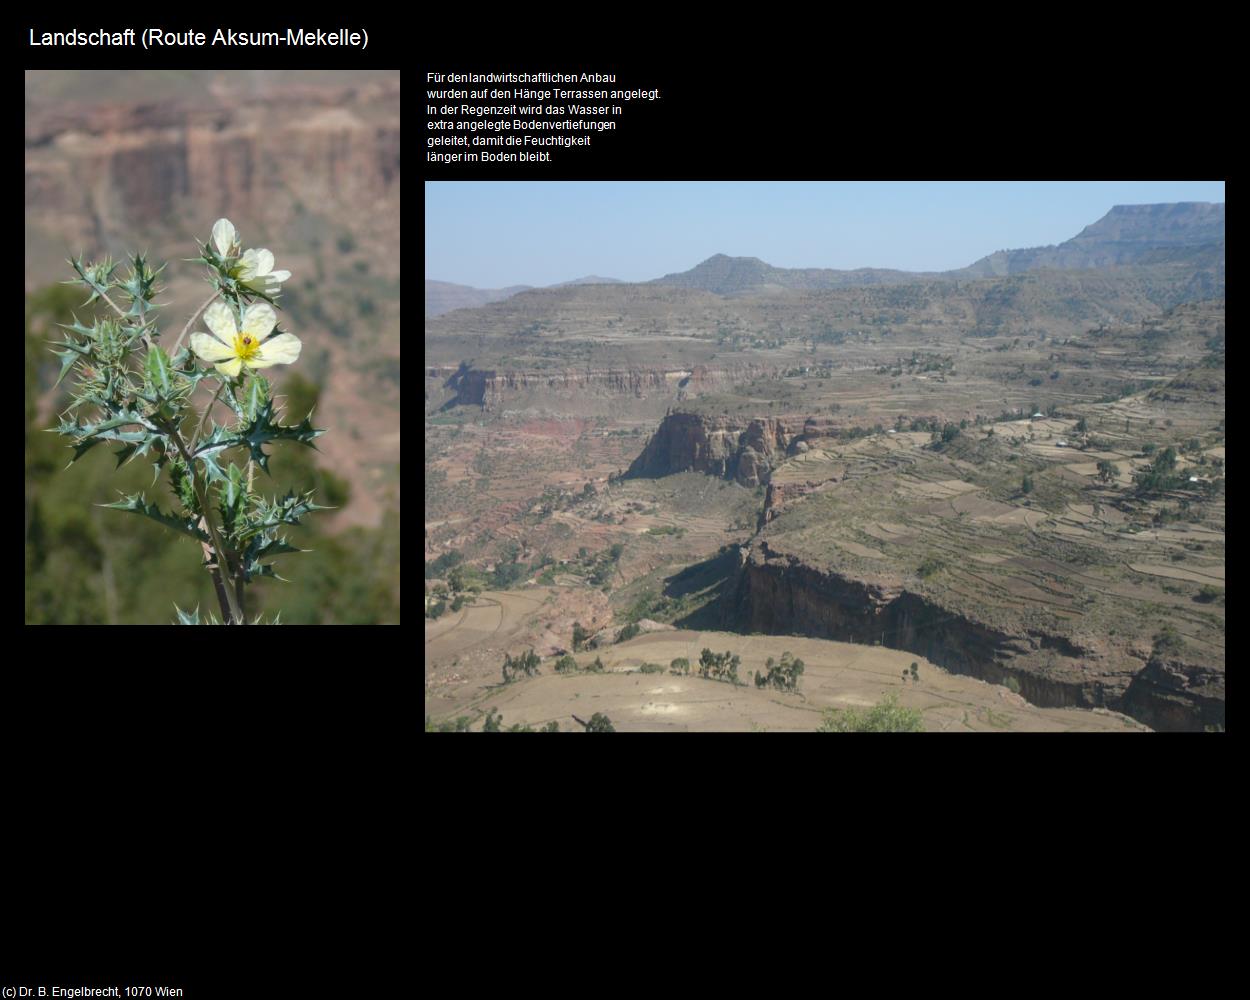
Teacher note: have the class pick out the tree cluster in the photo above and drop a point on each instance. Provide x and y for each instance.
(783, 675)
(719, 666)
(526, 663)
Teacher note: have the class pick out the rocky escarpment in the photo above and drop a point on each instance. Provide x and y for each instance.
(491, 388)
(778, 593)
(743, 450)
(285, 160)
(1191, 232)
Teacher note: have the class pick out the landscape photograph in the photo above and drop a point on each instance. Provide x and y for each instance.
(825, 457)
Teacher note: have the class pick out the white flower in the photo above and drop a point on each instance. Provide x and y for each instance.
(225, 239)
(231, 348)
(255, 267)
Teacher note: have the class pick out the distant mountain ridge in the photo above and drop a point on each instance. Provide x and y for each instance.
(734, 275)
(1184, 232)
(1190, 234)
(1128, 234)
(444, 296)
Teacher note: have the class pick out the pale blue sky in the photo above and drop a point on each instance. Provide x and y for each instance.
(493, 234)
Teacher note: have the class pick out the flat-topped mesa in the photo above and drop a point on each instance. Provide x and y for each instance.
(490, 388)
(743, 450)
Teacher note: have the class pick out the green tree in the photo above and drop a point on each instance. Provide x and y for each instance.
(580, 635)
(1107, 471)
(526, 663)
(600, 723)
(1026, 484)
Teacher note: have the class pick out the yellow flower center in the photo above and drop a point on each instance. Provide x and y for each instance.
(246, 347)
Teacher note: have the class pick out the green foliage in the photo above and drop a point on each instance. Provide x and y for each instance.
(600, 723)
(1209, 593)
(458, 725)
(526, 663)
(506, 574)
(679, 666)
(1108, 471)
(887, 716)
(86, 565)
(628, 632)
(783, 675)
(491, 723)
(651, 668)
(1026, 484)
(719, 666)
(931, 565)
(580, 635)
(566, 665)
(1160, 476)
(439, 567)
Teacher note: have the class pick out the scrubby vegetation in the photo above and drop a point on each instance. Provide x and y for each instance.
(887, 716)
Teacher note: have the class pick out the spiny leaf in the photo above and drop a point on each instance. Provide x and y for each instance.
(255, 396)
(187, 619)
(211, 468)
(67, 362)
(184, 489)
(137, 503)
(262, 430)
(159, 370)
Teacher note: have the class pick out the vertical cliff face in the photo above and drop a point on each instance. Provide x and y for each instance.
(100, 171)
(719, 446)
(1172, 695)
(743, 450)
(779, 594)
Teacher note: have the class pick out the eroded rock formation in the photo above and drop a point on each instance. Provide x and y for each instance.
(743, 450)
(778, 593)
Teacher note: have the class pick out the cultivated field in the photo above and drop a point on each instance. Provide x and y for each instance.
(837, 675)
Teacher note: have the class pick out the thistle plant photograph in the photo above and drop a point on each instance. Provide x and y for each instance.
(212, 347)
